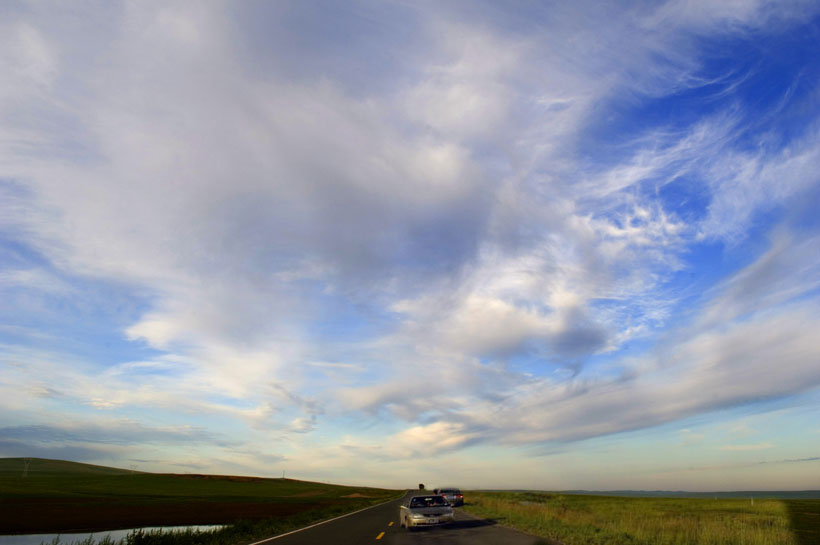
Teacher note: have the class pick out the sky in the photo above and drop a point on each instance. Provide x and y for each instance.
(552, 245)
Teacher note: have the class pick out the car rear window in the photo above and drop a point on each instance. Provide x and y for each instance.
(427, 501)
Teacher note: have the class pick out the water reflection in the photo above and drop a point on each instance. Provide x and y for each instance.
(115, 535)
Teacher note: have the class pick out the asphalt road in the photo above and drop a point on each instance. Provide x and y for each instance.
(380, 525)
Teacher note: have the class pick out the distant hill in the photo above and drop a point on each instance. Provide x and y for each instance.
(43, 465)
(760, 494)
(42, 496)
(774, 494)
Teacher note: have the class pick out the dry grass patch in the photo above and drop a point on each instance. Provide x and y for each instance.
(607, 520)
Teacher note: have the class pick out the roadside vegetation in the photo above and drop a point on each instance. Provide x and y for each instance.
(52, 496)
(236, 533)
(607, 520)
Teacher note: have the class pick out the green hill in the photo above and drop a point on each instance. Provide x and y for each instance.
(38, 495)
(23, 466)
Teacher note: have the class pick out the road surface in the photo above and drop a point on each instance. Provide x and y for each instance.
(380, 526)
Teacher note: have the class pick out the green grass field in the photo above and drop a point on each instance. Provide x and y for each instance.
(579, 519)
(39, 496)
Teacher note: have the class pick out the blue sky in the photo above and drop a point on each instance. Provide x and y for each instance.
(542, 245)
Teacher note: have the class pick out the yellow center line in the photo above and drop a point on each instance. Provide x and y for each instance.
(391, 523)
(381, 535)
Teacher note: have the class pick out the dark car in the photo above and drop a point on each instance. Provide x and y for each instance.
(452, 495)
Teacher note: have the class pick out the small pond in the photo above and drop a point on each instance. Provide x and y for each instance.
(67, 539)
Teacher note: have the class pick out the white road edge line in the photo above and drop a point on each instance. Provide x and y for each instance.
(319, 523)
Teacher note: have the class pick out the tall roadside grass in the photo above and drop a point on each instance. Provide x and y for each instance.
(598, 520)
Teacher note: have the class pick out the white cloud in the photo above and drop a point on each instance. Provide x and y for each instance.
(453, 213)
(746, 448)
(463, 92)
(746, 183)
(426, 440)
(741, 13)
(30, 59)
(34, 279)
(785, 272)
(761, 354)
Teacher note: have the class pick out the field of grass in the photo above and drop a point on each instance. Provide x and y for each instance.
(578, 519)
(41, 496)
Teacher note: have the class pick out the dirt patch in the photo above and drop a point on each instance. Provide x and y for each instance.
(356, 495)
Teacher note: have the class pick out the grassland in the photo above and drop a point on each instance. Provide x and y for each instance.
(40, 496)
(598, 520)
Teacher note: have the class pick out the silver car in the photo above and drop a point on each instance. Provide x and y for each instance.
(425, 511)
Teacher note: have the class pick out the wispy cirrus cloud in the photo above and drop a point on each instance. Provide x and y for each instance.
(450, 228)
(116, 432)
